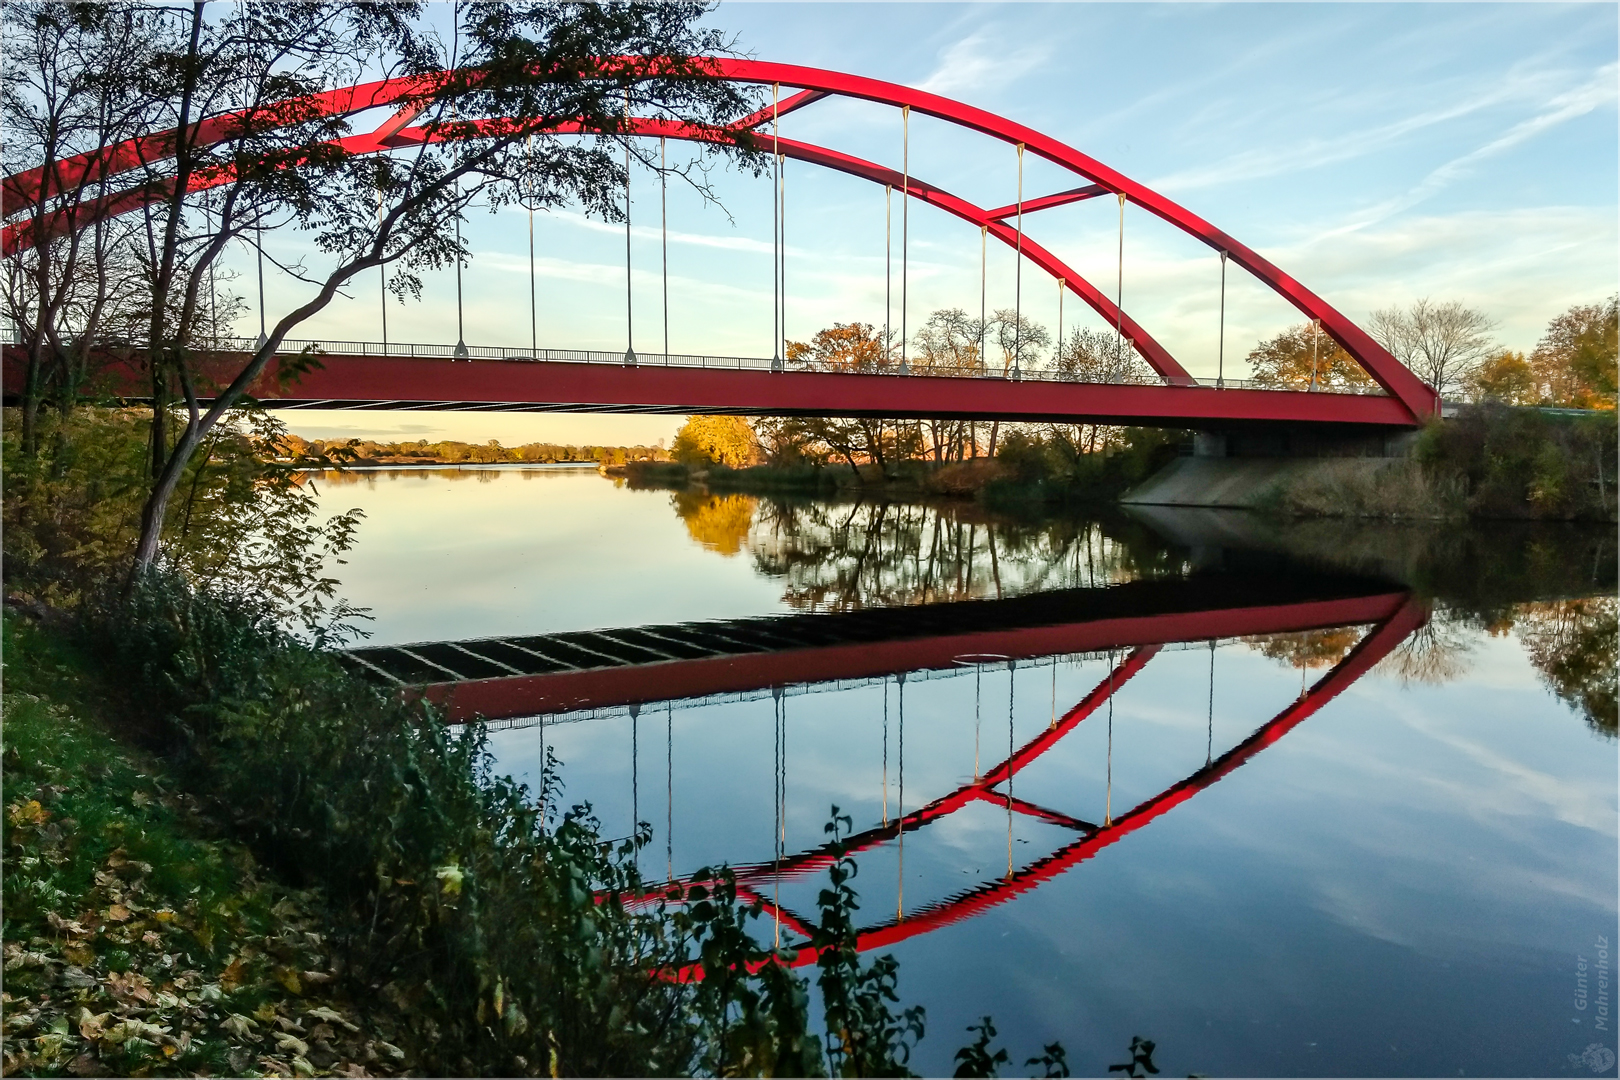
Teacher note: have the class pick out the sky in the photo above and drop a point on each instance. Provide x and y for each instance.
(1378, 153)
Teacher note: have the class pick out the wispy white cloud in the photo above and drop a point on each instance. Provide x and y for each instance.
(980, 61)
(1313, 153)
(1600, 90)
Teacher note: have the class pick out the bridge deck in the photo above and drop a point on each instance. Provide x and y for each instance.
(745, 386)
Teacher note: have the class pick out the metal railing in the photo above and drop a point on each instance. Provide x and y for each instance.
(417, 350)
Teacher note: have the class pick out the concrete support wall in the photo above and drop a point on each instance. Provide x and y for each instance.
(1233, 481)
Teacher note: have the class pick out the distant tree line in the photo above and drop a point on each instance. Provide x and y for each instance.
(448, 451)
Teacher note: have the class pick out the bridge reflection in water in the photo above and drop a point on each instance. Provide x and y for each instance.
(558, 677)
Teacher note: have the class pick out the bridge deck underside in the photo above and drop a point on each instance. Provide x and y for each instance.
(499, 678)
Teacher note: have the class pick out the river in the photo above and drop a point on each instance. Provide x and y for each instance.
(1408, 870)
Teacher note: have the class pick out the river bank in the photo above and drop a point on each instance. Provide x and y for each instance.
(1489, 462)
(232, 840)
(1029, 470)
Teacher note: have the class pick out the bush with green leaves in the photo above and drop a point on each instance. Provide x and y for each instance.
(513, 938)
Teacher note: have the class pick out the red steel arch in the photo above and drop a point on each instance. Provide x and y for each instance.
(28, 188)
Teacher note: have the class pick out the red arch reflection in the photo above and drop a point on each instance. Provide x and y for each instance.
(1382, 639)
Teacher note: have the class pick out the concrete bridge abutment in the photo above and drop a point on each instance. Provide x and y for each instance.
(1240, 466)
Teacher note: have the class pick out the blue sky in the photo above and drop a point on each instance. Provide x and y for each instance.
(1377, 152)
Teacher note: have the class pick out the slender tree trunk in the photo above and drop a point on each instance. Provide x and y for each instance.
(995, 426)
(30, 404)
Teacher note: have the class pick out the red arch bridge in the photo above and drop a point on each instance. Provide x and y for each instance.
(516, 678)
(363, 375)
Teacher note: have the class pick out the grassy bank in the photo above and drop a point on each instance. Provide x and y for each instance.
(1489, 462)
(138, 939)
(235, 841)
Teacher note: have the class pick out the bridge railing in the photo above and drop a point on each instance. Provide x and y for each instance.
(738, 363)
(417, 350)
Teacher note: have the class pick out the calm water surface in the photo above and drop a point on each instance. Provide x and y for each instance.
(1408, 882)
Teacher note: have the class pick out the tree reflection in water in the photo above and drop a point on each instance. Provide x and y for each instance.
(1574, 644)
(720, 523)
(855, 554)
(844, 556)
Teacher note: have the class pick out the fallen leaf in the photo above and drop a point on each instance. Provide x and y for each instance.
(287, 977)
(28, 813)
(90, 1027)
(117, 913)
(290, 1042)
(231, 977)
(238, 1025)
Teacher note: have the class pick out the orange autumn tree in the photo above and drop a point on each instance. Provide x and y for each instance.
(1302, 356)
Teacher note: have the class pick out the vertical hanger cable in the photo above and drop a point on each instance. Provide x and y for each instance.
(776, 233)
(258, 228)
(984, 233)
(1119, 285)
(1209, 736)
(1059, 354)
(663, 208)
(629, 295)
(534, 303)
(669, 791)
(1012, 666)
(900, 804)
(461, 336)
(888, 268)
(1220, 353)
(1108, 805)
(905, 225)
(1018, 274)
(885, 751)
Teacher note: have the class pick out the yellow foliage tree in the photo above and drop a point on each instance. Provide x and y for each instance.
(1506, 377)
(723, 440)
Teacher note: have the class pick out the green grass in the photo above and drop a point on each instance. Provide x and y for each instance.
(136, 941)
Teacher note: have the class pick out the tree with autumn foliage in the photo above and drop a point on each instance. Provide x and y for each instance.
(1303, 357)
(842, 347)
(716, 440)
(1506, 377)
(1574, 363)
